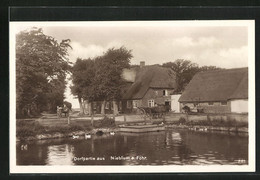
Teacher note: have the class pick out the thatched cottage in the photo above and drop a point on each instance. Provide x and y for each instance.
(148, 86)
(220, 91)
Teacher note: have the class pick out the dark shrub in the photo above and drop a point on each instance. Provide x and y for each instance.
(231, 123)
(209, 122)
(65, 128)
(24, 132)
(242, 124)
(105, 122)
(182, 120)
(37, 128)
(75, 127)
(99, 133)
(26, 128)
(20, 123)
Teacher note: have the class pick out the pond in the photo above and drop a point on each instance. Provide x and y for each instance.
(170, 147)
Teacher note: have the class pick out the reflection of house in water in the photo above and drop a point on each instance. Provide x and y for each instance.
(220, 91)
(147, 86)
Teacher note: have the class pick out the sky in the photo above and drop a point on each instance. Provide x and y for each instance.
(210, 44)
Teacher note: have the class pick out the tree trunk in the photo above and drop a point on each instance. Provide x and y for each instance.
(115, 108)
(81, 106)
(84, 106)
(29, 111)
(103, 107)
(90, 108)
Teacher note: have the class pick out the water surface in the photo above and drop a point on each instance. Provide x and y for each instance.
(178, 147)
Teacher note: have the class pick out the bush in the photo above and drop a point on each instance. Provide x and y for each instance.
(105, 122)
(65, 128)
(242, 124)
(231, 123)
(75, 127)
(190, 123)
(26, 128)
(24, 132)
(38, 128)
(182, 120)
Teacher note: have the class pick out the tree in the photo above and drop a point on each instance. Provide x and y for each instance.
(209, 68)
(41, 67)
(83, 73)
(108, 80)
(184, 71)
(100, 79)
(55, 94)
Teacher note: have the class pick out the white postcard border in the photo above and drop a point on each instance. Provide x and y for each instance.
(136, 169)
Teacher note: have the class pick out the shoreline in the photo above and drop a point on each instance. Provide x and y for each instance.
(206, 129)
(65, 135)
(210, 128)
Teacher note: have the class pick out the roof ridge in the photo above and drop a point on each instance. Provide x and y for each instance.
(219, 70)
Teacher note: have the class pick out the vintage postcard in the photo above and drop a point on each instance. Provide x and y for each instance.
(135, 96)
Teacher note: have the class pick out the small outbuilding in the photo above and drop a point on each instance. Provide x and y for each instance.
(218, 91)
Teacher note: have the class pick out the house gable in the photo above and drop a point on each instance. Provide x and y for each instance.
(150, 77)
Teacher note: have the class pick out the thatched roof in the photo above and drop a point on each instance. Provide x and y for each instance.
(150, 77)
(219, 85)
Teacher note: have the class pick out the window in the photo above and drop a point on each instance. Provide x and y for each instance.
(167, 103)
(120, 105)
(211, 103)
(224, 103)
(165, 92)
(107, 105)
(135, 104)
(151, 103)
(129, 104)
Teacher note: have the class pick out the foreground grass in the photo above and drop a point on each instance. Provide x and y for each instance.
(213, 122)
(27, 128)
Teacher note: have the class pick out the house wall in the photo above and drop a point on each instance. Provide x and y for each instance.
(127, 106)
(239, 105)
(157, 96)
(215, 108)
(175, 105)
(124, 107)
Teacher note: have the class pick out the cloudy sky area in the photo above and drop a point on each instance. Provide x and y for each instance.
(222, 46)
(219, 46)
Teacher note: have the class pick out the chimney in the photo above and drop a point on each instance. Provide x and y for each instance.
(142, 64)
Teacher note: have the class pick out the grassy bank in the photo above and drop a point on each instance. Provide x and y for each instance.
(212, 122)
(31, 128)
(211, 125)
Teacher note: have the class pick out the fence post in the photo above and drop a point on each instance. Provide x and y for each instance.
(124, 119)
(68, 118)
(114, 117)
(92, 120)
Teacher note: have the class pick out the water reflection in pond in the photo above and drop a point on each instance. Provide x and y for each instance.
(158, 148)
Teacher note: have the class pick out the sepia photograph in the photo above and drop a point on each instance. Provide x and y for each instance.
(132, 96)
